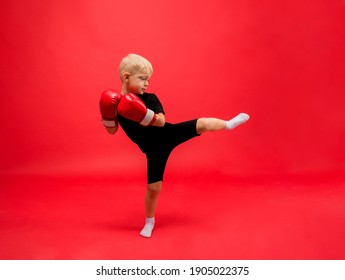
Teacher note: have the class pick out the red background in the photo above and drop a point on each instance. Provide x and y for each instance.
(282, 62)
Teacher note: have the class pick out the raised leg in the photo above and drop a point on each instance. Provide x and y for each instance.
(214, 124)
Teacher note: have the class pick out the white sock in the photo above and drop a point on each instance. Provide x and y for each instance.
(148, 228)
(236, 121)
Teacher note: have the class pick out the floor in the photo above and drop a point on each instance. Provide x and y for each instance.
(208, 216)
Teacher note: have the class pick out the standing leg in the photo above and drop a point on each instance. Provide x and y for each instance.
(213, 124)
(157, 158)
(151, 199)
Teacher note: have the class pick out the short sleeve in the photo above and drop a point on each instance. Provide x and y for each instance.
(154, 104)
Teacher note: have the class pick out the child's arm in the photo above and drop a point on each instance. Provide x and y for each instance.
(160, 120)
(112, 130)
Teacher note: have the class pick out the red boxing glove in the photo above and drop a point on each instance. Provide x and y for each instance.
(131, 107)
(108, 107)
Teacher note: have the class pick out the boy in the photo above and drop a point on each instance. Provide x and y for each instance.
(141, 115)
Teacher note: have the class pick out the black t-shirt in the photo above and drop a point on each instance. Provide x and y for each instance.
(144, 136)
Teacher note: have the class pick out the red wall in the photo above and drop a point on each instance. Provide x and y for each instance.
(280, 61)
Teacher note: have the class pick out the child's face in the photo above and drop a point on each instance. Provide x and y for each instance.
(138, 83)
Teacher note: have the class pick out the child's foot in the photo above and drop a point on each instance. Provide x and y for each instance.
(148, 228)
(236, 121)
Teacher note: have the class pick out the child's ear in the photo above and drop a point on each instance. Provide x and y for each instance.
(126, 76)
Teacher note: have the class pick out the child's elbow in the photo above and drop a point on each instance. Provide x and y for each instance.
(160, 121)
(111, 130)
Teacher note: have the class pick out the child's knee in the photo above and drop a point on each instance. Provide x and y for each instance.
(154, 188)
(201, 125)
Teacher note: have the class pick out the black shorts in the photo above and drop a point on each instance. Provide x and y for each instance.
(158, 152)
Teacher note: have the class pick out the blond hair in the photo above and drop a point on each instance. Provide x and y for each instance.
(134, 63)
